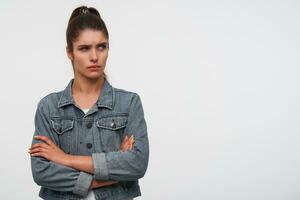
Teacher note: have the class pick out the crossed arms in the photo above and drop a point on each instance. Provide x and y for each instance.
(50, 151)
(53, 169)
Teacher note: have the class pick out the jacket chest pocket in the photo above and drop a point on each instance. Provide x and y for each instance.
(63, 129)
(111, 131)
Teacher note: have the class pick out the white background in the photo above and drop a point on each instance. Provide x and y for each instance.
(218, 81)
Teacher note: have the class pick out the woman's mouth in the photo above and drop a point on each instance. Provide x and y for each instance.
(94, 67)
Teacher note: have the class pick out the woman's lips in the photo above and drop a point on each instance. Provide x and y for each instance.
(94, 67)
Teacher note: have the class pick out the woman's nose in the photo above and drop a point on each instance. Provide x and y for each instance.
(94, 56)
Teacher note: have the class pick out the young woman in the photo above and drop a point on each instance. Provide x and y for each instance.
(90, 139)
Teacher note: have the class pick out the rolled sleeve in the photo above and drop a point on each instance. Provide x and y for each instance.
(100, 166)
(83, 184)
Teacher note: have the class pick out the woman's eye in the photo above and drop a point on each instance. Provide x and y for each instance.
(102, 47)
(83, 48)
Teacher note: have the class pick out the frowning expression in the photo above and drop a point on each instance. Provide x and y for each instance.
(89, 55)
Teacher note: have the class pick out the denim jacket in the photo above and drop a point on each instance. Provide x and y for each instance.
(99, 134)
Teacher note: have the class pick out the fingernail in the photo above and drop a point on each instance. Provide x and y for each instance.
(132, 138)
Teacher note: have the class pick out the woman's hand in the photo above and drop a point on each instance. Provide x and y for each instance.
(127, 143)
(96, 184)
(47, 149)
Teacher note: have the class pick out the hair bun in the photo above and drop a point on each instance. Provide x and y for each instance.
(85, 10)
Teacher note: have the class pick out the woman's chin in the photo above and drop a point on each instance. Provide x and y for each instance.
(94, 75)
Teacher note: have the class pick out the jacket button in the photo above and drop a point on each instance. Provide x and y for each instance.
(113, 125)
(89, 125)
(89, 145)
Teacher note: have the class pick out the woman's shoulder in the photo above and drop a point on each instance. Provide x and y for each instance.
(124, 91)
(125, 94)
(50, 98)
(129, 99)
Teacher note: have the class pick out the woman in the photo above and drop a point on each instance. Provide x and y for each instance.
(90, 139)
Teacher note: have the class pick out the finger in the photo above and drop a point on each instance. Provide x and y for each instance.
(38, 154)
(45, 139)
(124, 140)
(46, 147)
(127, 143)
(130, 147)
(39, 144)
(38, 150)
(110, 183)
(125, 147)
(35, 154)
(131, 139)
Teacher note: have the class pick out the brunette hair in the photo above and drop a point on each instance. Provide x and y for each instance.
(84, 18)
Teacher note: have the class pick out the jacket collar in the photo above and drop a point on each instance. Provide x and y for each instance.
(106, 98)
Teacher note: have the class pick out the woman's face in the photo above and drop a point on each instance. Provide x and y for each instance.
(89, 55)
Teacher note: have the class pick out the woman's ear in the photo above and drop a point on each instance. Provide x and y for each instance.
(69, 53)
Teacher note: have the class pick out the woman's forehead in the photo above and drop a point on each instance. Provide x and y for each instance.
(89, 36)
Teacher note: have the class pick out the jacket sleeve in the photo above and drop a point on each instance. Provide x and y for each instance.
(128, 165)
(52, 175)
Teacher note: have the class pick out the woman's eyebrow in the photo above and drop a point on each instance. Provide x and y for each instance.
(89, 45)
(101, 43)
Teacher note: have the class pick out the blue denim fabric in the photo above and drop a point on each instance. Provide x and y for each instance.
(98, 133)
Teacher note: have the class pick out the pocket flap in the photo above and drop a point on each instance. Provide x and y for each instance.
(112, 123)
(62, 125)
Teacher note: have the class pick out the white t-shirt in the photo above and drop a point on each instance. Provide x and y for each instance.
(85, 110)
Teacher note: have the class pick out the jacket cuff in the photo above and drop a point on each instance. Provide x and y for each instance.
(83, 184)
(100, 166)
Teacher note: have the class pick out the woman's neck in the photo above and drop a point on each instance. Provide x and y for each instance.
(84, 86)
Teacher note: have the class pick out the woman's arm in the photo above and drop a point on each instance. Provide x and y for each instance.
(52, 175)
(85, 163)
(97, 184)
(49, 150)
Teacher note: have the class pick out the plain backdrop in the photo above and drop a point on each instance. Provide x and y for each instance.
(219, 82)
